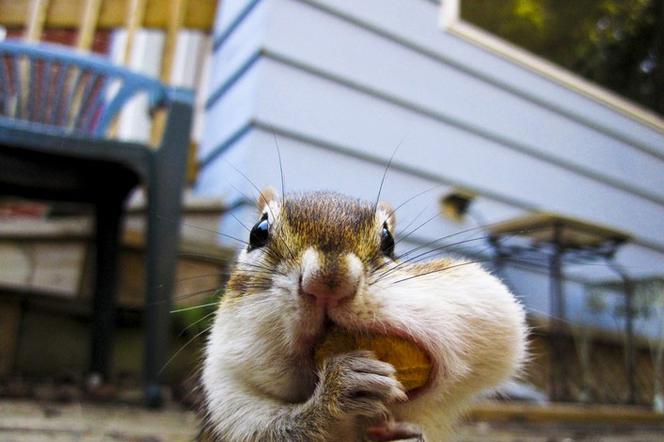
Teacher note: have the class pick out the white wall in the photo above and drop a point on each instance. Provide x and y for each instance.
(342, 82)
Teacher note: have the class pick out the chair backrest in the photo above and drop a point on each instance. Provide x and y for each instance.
(54, 88)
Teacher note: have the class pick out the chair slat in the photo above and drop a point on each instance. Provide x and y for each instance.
(44, 91)
(5, 87)
(32, 90)
(18, 90)
(71, 86)
(56, 110)
(96, 106)
(85, 99)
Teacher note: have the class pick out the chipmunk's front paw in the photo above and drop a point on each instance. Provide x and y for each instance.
(357, 384)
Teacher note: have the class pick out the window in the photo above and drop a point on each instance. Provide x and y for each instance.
(617, 44)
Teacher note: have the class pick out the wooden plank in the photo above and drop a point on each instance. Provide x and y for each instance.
(176, 17)
(175, 20)
(52, 266)
(34, 19)
(134, 14)
(575, 232)
(66, 14)
(88, 24)
(57, 267)
(523, 412)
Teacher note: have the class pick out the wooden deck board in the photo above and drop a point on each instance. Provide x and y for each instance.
(22, 420)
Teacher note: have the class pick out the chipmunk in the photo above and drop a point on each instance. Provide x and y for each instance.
(319, 259)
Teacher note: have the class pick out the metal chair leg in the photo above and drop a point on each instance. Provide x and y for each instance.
(164, 196)
(108, 217)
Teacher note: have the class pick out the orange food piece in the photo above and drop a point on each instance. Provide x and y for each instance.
(412, 364)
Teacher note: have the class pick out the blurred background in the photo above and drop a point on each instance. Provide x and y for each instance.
(526, 134)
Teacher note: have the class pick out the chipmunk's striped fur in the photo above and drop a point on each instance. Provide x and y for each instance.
(325, 261)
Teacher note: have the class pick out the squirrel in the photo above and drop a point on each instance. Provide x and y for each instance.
(321, 259)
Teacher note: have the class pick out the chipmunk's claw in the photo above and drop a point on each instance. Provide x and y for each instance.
(393, 431)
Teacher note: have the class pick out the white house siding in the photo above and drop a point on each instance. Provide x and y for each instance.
(341, 83)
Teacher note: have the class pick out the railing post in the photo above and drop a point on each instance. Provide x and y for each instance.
(557, 307)
(35, 20)
(88, 25)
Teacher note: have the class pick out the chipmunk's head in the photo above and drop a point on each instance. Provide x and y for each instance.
(312, 253)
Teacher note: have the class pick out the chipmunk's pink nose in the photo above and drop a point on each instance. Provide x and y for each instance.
(330, 282)
(326, 293)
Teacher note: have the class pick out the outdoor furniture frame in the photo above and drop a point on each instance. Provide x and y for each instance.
(557, 240)
(57, 111)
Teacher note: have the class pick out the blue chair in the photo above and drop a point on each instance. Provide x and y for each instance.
(57, 109)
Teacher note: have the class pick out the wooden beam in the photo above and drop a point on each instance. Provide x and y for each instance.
(558, 412)
(176, 19)
(199, 14)
(134, 15)
(88, 24)
(34, 19)
(175, 22)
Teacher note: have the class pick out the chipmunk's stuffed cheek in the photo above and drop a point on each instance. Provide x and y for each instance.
(401, 330)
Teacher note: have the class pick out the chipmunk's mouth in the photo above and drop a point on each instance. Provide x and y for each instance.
(416, 367)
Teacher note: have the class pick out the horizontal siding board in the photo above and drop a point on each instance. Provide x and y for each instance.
(382, 67)
(228, 13)
(229, 115)
(240, 46)
(446, 151)
(415, 25)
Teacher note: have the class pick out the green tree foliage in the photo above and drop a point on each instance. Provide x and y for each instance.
(616, 43)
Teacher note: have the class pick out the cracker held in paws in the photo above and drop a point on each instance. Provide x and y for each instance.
(412, 365)
(325, 334)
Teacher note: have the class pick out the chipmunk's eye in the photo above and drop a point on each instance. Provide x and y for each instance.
(386, 242)
(260, 233)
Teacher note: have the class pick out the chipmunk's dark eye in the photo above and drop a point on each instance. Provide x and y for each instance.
(386, 242)
(260, 233)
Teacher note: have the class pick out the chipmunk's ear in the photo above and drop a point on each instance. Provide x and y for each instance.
(267, 195)
(387, 214)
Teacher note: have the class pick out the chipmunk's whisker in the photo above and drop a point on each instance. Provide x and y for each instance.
(429, 243)
(260, 195)
(186, 295)
(204, 229)
(196, 336)
(393, 211)
(549, 316)
(403, 237)
(428, 252)
(465, 263)
(195, 307)
(262, 267)
(387, 168)
(281, 166)
(196, 322)
(247, 228)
